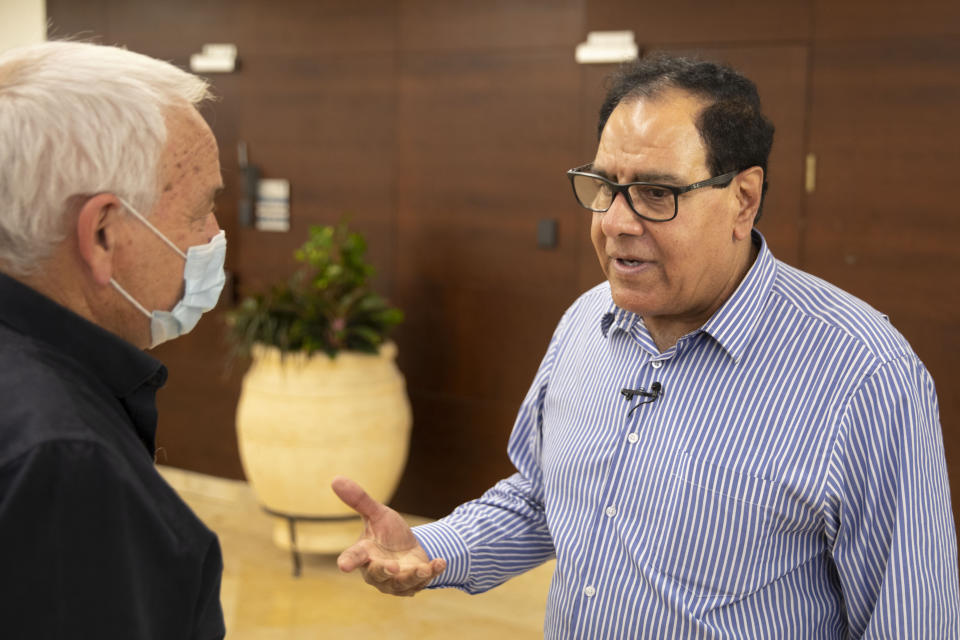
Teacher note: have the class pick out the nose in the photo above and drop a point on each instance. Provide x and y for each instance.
(620, 219)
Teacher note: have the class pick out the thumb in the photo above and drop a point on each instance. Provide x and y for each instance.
(355, 556)
(353, 495)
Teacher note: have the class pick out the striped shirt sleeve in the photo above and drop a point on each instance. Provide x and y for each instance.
(894, 544)
(503, 533)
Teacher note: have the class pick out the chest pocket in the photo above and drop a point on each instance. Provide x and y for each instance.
(715, 538)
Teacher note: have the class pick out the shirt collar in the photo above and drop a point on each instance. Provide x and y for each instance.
(734, 323)
(617, 319)
(121, 366)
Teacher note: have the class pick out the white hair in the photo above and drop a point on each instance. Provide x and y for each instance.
(78, 119)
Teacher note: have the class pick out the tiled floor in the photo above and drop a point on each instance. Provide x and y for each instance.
(263, 601)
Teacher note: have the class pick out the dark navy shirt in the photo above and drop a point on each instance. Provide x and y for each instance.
(93, 542)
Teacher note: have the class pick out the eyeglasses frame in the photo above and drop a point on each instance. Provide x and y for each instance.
(623, 188)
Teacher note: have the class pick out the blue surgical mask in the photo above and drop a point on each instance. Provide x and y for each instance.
(203, 279)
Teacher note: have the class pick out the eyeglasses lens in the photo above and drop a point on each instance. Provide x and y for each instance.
(650, 201)
(593, 194)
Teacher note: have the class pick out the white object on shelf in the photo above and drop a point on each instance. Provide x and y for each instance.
(604, 47)
(273, 205)
(215, 58)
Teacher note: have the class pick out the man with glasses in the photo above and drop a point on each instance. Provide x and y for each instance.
(716, 444)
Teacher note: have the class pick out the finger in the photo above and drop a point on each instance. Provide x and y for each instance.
(392, 588)
(374, 580)
(380, 572)
(414, 578)
(415, 588)
(425, 572)
(438, 565)
(353, 495)
(380, 580)
(353, 557)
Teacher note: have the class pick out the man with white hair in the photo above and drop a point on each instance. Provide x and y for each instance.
(108, 246)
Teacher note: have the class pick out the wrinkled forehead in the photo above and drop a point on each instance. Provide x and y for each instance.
(190, 145)
(189, 171)
(190, 159)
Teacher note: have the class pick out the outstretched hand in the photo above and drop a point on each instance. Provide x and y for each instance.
(388, 554)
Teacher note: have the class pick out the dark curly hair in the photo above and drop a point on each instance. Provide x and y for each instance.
(734, 130)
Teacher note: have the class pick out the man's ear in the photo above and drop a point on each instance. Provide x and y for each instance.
(749, 188)
(97, 234)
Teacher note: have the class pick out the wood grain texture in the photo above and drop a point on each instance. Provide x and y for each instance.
(314, 99)
(458, 462)
(467, 25)
(197, 405)
(703, 22)
(484, 142)
(868, 19)
(446, 127)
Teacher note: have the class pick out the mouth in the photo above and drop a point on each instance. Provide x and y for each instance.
(629, 265)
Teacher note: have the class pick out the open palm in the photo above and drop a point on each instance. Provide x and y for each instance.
(387, 553)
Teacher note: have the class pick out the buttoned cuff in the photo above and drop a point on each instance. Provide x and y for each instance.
(440, 540)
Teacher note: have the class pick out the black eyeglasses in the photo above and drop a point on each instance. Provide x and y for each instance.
(654, 202)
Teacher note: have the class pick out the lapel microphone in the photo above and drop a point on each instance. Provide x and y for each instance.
(649, 396)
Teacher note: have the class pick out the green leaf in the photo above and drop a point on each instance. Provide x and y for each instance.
(324, 306)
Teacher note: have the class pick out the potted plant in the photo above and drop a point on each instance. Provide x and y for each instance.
(323, 395)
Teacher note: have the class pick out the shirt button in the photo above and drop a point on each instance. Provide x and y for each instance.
(656, 364)
(610, 511)
(633, 438)
(589, 592)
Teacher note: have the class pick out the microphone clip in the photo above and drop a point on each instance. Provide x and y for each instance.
(656, 389)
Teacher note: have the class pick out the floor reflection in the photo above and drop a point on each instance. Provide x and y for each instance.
(263, 601)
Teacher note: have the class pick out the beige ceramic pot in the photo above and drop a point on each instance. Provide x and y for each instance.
(303, 420)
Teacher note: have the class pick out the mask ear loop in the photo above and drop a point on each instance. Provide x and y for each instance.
(130, 298)
(150, 226)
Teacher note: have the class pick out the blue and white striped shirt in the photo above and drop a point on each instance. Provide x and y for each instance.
(789, 482)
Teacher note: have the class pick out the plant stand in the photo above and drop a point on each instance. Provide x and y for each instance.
(292, 528)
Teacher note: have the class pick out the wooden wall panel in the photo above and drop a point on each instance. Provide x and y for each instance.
(886, 19)
(459, 457)
(704, 22)
(199, 401)
(882, 222)
(70, 19)
(484, 144)
(326, 122)
(469, 357)
(485, 136)
(484, 141)
(467, 25)
(315, 100)
(446, 127)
